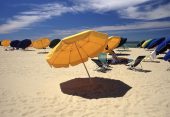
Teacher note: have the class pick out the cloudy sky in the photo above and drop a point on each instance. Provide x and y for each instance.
(134, 19)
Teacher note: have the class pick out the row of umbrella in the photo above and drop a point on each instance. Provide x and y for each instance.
(74, 49)
(38, 44)
(161, 44)
(113, 42)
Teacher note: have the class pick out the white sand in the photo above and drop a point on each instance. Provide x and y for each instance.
(30, 88)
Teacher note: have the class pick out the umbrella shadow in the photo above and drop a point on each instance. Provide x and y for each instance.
(42, 52)
(28, 50)
(95, 88)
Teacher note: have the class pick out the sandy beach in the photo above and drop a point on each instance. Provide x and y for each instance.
(29, 87)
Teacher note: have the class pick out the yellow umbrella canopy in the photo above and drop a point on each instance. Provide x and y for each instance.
(113, 42)
(41, 43)
(5, 43)
(76, 49)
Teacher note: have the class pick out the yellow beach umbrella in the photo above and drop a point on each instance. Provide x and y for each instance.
(5, 43)
(113, 42)
(41, 43)
(76, 49)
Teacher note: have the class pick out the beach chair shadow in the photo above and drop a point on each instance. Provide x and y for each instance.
(95, 88)
(122, 54)
(121, 60)
(152, 61)
(135, 63)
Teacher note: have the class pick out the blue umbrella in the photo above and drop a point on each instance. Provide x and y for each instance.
(155, 42)
(54, 42)
(149, 43)
(162, 47)
(14, 43)
(122, 41)
(140, 43)
(167, 56)
(24, 43)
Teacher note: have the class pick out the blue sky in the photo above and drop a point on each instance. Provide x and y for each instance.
(134, 19)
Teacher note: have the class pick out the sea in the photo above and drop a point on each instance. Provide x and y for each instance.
(131, 44)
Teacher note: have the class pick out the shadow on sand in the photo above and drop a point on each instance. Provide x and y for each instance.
(28, 50)
(42, 52)
(160, 58)
(152, 61)
(95, 88)
(140, 70)
(120, 54)
(122, 50)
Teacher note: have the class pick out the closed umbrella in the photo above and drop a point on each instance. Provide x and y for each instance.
(5, 43)
(167, 56)
(54, 42)
(41, 43)
(24, 43)
(144, 45)
(162, 47)
(77, 49)
(140, 43)
(155, 42)
(14, 43)
(122, 42)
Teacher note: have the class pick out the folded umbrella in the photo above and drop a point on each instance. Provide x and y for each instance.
(14, 43)
(167, 56)
(24, 43)
(5, 43)
(54, 42)
(155, 42)
(140, 43)
(162, 47)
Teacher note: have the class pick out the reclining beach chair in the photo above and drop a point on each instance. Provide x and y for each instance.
(150, 57)
(102, 62)
(132, 65)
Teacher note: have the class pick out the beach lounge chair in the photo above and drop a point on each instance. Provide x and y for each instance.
(102, 62)
(150, 57)
(133, 64)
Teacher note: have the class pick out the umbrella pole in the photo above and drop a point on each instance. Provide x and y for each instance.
(83, 61)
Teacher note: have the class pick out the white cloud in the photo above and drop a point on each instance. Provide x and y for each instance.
(147, 13)
(129, 27)
(41, 13)
(134, 26)
(25, 19)
(106, 5)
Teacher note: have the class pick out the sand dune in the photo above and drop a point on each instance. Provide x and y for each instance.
(30, 88)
